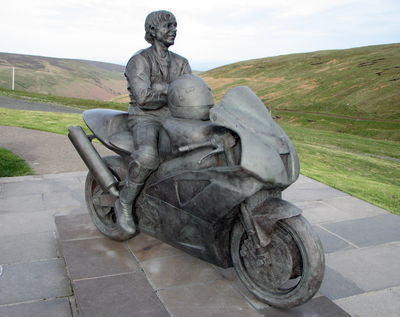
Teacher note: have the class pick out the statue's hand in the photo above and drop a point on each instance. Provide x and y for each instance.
(160, 87)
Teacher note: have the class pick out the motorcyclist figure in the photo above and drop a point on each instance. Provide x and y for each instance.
(149, 73)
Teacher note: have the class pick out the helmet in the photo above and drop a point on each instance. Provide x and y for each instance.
(189, 97)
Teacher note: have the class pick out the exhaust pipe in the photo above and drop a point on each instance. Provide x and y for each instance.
(92, 159)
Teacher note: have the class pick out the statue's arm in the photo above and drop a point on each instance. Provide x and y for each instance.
(146, 95)
(186, 69)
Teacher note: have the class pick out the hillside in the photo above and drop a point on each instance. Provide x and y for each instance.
(359, 82)
(63, 77)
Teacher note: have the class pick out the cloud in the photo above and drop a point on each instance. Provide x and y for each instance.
(209, 31)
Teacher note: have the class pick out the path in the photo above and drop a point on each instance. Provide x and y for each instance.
(18, 104)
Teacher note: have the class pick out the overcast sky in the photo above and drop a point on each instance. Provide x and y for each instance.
(211, 33)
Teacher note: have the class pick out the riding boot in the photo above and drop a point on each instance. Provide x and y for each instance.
(123, 207)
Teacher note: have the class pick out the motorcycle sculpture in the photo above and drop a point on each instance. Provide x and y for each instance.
(216, 195)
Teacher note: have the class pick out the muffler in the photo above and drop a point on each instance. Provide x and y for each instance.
(92, 159)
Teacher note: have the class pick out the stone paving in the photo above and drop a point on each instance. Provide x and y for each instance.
(53, 261)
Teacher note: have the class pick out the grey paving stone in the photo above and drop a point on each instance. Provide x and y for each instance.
(330, 242)
(317, 307)
(216, 298)
(47, 308)
(385, 303)
(178, 270)
(18, 189)
(33, 281)
(27, 203)
(80, 226)
(97, 257)
(368, 231)
(230, 275)
(318, 212)
(310, 192)
(371, 268)
(126, 295)
(335, 286)
(80, 210)
(146, 248)
(26, 222)
(63, 199)
(27, 247)
(355, 206)
(65, 175)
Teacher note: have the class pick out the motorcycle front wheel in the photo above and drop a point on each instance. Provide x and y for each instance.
(286, 273)
(101, 209)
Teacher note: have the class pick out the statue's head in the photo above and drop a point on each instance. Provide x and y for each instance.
(161, 26)
(189, 97)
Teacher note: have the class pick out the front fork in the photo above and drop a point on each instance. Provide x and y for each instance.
(259, 215)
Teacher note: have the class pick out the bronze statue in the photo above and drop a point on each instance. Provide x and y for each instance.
(149, 73)
(205, 179)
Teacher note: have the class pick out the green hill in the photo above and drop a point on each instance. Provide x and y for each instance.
(62, 77)
(359, 82)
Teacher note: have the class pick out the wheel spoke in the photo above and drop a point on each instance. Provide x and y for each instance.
(105, 200)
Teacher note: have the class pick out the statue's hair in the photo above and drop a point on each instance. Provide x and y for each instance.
(154, 20)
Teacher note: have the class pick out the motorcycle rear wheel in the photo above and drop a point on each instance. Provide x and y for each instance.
(102, 212)
(289, 271)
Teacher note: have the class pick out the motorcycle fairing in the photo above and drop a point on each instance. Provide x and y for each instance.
(267, 152)
(194, 210)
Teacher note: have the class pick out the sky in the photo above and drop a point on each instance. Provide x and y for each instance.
(211, 33)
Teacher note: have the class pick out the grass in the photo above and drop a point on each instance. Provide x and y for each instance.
(41, 120)
(12, 165)
(63, 77)
(365, 168)
(360, 82)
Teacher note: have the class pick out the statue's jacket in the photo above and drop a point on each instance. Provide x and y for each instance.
(148, 75)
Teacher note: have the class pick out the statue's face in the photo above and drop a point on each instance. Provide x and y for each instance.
(166, 32)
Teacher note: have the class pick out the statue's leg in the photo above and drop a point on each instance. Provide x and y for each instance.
(144, 161)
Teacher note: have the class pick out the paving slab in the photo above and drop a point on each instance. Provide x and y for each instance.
(78, 227)
(334, 285)
(146, 248)
(173, 271)
(331, 242)
(385, 303)
(355, 206)
(33, 281)
(368, 231)
(216, 298)
(299, 192)
(125, 295)
(64, 199)
(26, 222)
(38, 186)
(27, 247)
(97, 257)
(371, 268)
(317, 307)
(59, 307)
(30, 203)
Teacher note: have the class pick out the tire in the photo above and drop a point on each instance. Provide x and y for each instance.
(101, 209)
(286, 273)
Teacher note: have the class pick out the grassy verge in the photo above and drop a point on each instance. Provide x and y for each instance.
(385, 130)
(41, 120)
(12, 165)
